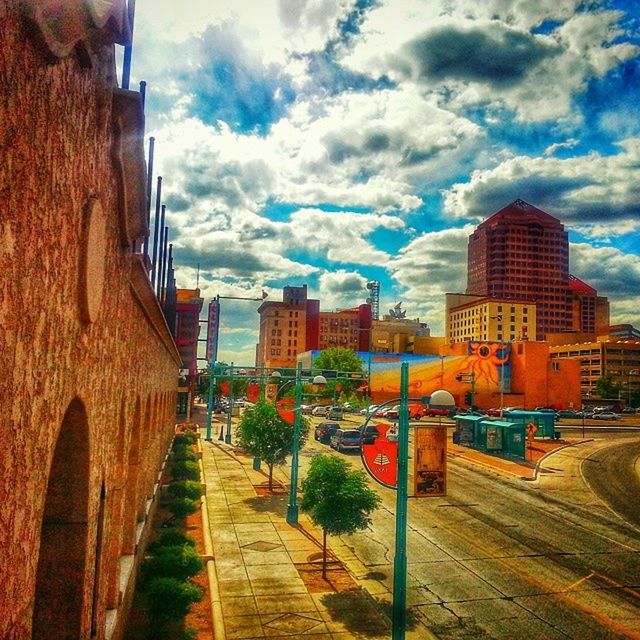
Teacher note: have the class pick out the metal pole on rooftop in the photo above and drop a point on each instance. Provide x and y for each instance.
(164, 234)
(126, 63)
(157, 224)
(152, 142)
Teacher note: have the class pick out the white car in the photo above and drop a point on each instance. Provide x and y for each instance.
(320, 411)
(368, 411)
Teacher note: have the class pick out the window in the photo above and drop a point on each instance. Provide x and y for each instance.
(555, 366)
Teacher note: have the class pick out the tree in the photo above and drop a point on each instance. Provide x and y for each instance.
(264, 434)
(337, 499)
(607, 387)
(339, 359)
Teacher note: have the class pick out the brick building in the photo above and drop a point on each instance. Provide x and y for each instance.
(296, 325)
(522, 253)
(89, 365)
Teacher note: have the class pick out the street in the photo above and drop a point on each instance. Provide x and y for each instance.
(501, 558)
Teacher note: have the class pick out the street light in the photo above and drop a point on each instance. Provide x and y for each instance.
(292, 507)
(499, 319)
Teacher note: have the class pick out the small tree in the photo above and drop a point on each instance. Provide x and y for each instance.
(339, 359)
(264, 434)
(607, 387)
(337, 499)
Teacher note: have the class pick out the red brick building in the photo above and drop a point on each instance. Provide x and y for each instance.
(296, 325)
(89, 365)
(522, 253)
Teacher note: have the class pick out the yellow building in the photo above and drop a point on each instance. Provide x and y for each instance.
(469, 317)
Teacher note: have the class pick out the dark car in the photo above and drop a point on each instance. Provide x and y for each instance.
(369, 433)
(345, 440)
(325, 430)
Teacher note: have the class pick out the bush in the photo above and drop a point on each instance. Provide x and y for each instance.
(171, 538)
(179, 562)
(185, 489)
(182, 507)
(171, 599)
(185, 470)
(184, 439)
(184, 453)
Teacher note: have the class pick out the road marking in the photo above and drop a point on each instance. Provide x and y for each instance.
(578, 582)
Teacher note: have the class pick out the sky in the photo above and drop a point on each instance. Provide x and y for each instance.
(333, 142)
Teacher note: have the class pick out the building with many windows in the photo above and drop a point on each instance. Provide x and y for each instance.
(607, 354)
(480, 318)
(296, 325)
(520, 254)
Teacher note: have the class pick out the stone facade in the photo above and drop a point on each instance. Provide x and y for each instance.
(89, 368)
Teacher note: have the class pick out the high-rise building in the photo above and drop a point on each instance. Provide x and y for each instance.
(521, 253)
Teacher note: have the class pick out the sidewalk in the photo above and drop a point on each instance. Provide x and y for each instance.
(536, 452)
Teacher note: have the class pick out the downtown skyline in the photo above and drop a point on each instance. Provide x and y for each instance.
(329, 143)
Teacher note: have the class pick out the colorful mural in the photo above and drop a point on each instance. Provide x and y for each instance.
(488, 361)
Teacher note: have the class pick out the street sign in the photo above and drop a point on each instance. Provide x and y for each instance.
(430, 462)
(380, 457)
(286, 409)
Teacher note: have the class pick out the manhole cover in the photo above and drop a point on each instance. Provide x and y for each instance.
(293, 624)
(261, 545)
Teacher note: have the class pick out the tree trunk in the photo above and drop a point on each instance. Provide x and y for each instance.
(324, 554)
(270, 478)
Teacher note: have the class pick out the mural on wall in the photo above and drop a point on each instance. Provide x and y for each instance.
(488, 361)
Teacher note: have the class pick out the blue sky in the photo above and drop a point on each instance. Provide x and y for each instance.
(330, 142)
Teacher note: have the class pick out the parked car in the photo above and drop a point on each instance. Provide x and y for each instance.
(629, 410)
(393, 413)
(433, 411)
(345, 440)
(324, 431)
(382, 413)
(369, 433)
(569, 413)
(371, 409)
(320, 410)
(306, 409)
(335, 412)
(605, 415)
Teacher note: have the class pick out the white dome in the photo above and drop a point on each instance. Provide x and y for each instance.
(442, 398)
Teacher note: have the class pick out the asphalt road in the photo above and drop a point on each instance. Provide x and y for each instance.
(505, 559)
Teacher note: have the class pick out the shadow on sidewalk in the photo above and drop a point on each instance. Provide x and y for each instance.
(276, 503)
(362, 613)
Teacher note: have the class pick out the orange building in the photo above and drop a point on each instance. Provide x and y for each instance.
(525, 371)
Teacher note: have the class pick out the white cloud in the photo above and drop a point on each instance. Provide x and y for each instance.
(484, 53)
(583, 190)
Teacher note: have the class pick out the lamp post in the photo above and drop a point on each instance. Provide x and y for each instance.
(399, 611)
(292, 507)
(499, 319)
(212, 365)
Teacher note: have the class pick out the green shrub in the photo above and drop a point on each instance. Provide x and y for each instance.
(179, 562)
(185, 489)
(184, 439)
(172, 537)
(182, 507)
(184, 453)
(185, 470)
(171, 599)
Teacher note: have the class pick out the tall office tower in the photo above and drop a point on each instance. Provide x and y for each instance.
(522, 253)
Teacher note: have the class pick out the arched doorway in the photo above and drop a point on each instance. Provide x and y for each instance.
(60, 582)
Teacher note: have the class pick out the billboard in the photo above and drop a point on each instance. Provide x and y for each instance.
(212, 330)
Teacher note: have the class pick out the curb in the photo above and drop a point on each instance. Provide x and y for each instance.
(217, 618)
(550, 453)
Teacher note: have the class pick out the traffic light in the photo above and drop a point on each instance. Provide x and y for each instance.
(468, 398)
